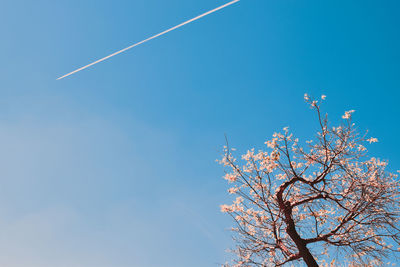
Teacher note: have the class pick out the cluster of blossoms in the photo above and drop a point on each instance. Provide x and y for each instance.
(293, 199)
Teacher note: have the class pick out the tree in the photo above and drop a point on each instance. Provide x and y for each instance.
(302, 203)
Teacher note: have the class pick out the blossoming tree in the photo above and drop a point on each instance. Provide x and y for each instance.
(314, 202)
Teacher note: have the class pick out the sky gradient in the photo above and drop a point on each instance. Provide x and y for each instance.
(115, 165)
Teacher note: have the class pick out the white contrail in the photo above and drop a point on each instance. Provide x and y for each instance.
(148, 39)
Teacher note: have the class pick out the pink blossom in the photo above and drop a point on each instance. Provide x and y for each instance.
(372, 140)
(347, 114)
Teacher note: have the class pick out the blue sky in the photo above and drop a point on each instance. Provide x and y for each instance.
(115, 166)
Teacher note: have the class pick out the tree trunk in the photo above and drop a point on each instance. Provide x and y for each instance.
(292, 232)
(301, 245)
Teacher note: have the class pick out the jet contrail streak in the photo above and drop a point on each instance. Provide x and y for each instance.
(148, 39)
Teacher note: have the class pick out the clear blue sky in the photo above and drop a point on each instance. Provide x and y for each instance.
(115, 166)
